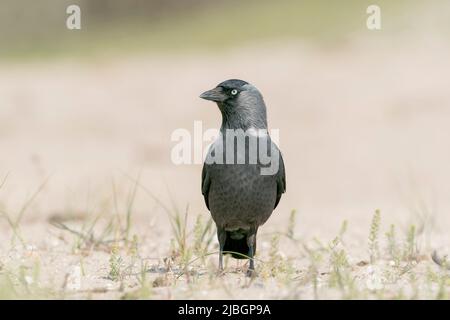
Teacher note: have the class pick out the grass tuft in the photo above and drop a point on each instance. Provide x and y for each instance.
(374, 250)
(291, 225)
(115, 264)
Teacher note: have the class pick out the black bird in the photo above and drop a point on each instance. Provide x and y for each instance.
(240, 194)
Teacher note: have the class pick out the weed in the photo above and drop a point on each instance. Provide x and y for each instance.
(343, 230)
(410, 250)
(15, 223)
(392, 249)
(277, 265)
(182, 250)
(203, 236)
(312, 275)
(291, 224)
(131, 199)
(115, 264)
(373, 236)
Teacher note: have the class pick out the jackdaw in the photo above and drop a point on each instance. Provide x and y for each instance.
(242, 187)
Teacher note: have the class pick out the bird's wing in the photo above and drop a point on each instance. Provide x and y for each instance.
(206, 182)
(281, 181)
(206, 175)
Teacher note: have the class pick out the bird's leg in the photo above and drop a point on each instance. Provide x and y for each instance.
(222, 237)
(251, 241)
(220, 261)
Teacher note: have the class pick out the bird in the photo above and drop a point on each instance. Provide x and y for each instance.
(238, 194)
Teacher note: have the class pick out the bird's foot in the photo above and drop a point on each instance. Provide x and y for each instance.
(220, 273)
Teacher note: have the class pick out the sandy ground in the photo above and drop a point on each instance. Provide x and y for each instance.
(363, 126)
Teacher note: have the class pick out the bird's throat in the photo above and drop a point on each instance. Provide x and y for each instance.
(242, 118)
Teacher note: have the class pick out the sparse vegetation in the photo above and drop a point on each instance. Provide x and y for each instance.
(397, 269)
(373, 236)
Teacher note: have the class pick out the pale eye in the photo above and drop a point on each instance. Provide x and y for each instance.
(234, 92)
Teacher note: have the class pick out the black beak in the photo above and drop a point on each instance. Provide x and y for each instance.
(215, 94)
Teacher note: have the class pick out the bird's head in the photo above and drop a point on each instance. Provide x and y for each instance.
(241, 104)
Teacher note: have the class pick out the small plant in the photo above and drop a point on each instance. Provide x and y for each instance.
(203, 237)
(277, 265)
(340, 275)
(313, 269)
(130, 202)
(180, 247)
(15, 223)
(393, 249)
(442, 291)
(91, 236)
(291, 224)
(268, 269)
(274, 249)
(343, 230)
(22, 282)
(85, 239)
(410, 250)
(373, 236)
(133, 248)
(115, 264)
(274, 255)
(144, 291)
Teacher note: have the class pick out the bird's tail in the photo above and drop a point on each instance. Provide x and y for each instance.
(236, 242)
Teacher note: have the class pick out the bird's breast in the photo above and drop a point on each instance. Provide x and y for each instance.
(240, 196)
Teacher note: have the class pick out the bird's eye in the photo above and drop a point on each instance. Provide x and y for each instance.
(234, 92)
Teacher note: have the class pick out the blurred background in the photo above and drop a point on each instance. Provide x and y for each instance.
(363, 115)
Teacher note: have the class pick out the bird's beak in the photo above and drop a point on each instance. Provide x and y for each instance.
(215, 94)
